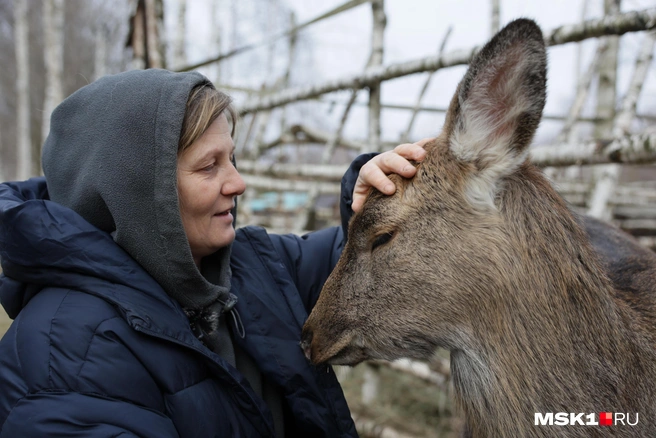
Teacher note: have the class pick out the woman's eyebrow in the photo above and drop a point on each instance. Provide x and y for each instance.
(212, 152)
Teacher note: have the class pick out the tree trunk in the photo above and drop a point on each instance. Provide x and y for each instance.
(606, 176)
(376, 59)
(144, 38)
(53, 47)
(179, 45)
(24, 153)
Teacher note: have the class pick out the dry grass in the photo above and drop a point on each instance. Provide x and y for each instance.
(4, 322)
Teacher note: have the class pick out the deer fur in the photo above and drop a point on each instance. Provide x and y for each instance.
(479, 255)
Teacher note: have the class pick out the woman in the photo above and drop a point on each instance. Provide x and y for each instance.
(139, 311)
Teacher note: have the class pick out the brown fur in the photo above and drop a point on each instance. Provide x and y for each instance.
(535, 317)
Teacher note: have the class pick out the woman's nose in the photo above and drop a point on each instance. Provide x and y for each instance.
(235, 185)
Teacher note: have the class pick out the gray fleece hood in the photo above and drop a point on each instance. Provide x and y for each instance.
(111, 156)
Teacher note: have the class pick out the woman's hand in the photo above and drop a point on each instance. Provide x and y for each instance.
(374, 172)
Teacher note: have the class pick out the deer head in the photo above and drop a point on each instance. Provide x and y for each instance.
(422, 266)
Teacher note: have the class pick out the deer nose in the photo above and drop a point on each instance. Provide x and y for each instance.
(306, 343)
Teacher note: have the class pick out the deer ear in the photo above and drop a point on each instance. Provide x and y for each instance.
(499, 102)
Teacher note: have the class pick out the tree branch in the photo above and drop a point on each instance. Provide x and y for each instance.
(614, 25)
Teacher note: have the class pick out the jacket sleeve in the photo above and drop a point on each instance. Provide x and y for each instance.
(90, 415)
(311, 258)
(348, 184)
(32, 189)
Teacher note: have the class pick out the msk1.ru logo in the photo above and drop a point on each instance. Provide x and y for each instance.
(572, 419)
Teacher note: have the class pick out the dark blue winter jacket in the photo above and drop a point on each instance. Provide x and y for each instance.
(97, 347)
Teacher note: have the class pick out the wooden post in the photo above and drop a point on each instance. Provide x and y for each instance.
(293, 38)
(496, 17)
(216, 38)
(606, 176)
(376, 59)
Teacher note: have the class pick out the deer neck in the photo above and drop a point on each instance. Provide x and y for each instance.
(557, 340)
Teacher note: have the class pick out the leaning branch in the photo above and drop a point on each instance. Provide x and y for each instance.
(612, 25)
(628, 110)
(582, 93)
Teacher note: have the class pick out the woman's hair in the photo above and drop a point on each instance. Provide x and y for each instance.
(204, 106)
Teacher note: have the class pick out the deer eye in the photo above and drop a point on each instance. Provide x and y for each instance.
(382, 240)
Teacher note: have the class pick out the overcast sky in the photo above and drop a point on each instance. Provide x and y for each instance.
(340, 46)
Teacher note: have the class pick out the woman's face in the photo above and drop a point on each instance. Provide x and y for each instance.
(207, 186)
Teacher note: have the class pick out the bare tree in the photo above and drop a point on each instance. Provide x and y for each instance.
(24, 152)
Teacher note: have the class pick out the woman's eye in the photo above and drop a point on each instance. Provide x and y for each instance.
(208, 168)
(382, 240)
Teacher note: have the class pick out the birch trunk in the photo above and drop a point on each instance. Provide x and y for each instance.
(53, 45)
(24, 144)
(376, 60)
(606, 176)
(179, 44)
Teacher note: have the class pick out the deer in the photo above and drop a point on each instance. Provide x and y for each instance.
(543, 310)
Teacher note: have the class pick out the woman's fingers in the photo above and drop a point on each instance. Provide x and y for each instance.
(374, 173)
